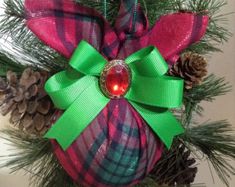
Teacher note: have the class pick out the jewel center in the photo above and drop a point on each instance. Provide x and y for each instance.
(115, 79)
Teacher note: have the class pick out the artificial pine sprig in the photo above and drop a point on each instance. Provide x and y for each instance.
(7, 63)
(36, 158)
(215, 140)
(15, 56)
(210, 88)
(12, 25)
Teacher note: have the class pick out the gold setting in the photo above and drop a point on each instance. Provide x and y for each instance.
(103, 75)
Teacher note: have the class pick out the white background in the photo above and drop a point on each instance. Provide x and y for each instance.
(222, 64)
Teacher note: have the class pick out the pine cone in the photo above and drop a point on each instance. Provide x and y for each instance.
(25, 99)
(191, 67)
(175, 167)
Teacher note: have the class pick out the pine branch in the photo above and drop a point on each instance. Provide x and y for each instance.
(35, 156)
(207, 91)
(217, 31)
(17, 56)
(7, 64)
(215, 140)
(12, 22)
(12, 25)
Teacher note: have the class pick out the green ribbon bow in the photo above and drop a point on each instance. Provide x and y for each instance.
(77, 92)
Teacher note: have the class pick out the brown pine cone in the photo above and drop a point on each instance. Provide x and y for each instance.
(175, 167)
(191, 67)
(25, 99)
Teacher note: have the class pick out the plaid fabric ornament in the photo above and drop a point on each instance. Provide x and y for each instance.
(117, 148)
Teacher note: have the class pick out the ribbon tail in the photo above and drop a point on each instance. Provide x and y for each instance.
(78, 116)
(162, 122)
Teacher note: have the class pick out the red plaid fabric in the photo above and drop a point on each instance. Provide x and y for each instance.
(62, 24)
(117, 148)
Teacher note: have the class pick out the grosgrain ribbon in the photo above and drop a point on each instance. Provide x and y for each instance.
(77, 92)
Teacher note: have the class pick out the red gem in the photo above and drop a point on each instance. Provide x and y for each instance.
(116, 77)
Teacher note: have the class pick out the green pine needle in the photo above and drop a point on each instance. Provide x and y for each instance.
(12, 25)
(210, 88)
(215, 140)
(7, 64)
(35, 156)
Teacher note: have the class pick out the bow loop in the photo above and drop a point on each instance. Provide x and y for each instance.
(87, 60)
(147, 62)
(88, 103)
(66, 86)
(149, 84)
(162, 91)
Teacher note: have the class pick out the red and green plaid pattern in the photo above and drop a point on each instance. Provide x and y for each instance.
(116, 149)
(62, 24)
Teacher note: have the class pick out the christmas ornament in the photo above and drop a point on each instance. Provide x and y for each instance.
(114, 146)
(113, 124)
(79, 95)
(191, 67)
(83, 100)
(26, 100)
